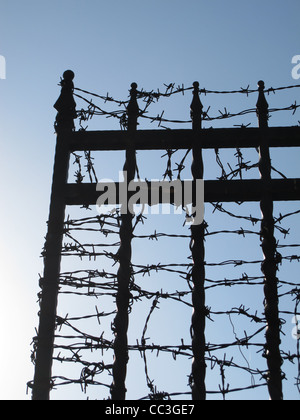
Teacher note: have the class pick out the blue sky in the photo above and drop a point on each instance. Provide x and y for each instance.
(109, 44)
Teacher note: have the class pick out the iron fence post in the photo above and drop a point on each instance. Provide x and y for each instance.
(65, 106)
(198, 270)
(118, 388)
(269, 265)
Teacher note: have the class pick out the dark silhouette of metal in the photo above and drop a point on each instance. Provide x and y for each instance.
(198, 271)
(269, 266)
(265, 191)
(118, 389)
(64, 125)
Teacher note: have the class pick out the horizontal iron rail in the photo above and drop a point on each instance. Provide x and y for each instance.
(220, 138)
(214, 191)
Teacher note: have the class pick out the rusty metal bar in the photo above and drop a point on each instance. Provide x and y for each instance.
(198, 270)
(269, 266)
(65, 106)
(118, 387)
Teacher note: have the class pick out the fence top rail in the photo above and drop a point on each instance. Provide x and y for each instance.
(221, 138)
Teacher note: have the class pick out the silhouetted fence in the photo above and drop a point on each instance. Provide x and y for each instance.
(230, 320)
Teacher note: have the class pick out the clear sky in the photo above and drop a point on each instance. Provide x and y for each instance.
(109, 44)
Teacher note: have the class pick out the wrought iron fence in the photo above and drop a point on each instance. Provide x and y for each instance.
(149, 307)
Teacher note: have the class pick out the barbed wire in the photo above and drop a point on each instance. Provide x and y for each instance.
(86, 340)
(171, 89)
(153, 96)
(183, 271)
(96, 283)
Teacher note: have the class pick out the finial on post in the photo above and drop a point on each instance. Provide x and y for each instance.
(133, 108)
(262, 106)
(66, 105)
(196, 108)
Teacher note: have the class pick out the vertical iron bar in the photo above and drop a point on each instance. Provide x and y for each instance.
(198, 270)
(269, 265)
(65, 106)
(118, 388)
